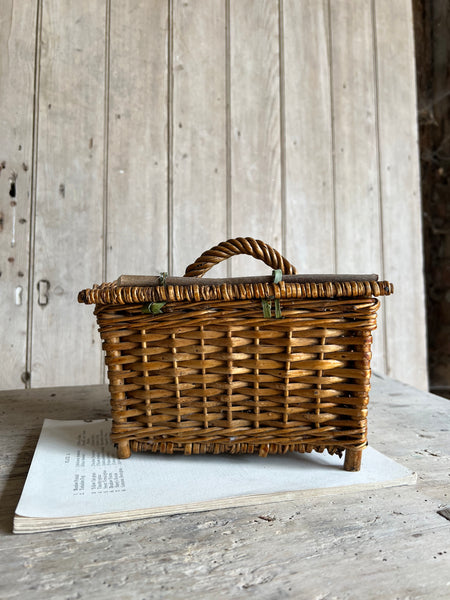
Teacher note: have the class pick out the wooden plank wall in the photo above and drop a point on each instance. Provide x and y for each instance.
(17, 83)
(138, 134)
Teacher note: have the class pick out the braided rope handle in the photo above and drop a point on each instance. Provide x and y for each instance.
(224, 250)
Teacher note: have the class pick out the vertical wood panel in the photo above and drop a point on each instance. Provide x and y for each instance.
(199, 131)
(356, 191)
(69, 206)
(354, 115)
(400, 187)
(309, 167)
(137, 141)
(256, 203)
(17, 61)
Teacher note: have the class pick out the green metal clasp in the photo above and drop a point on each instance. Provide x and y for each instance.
(277, 275)
(267, 308)
(154, 308)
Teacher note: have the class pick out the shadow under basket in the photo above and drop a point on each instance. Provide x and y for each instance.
(259, 364)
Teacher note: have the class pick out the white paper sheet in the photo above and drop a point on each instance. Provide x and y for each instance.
(75, 472)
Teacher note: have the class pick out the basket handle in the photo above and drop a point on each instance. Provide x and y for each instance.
(236, 246)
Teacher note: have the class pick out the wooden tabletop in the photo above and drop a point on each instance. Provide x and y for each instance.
(387, 543)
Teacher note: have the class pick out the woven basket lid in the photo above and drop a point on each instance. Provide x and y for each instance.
(283, 283)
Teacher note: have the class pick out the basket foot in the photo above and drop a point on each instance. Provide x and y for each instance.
(352, 461)
(123, 449)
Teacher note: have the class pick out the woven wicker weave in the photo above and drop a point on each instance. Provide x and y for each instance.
(213, 373)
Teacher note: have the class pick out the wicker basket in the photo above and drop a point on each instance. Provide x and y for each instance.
(239, 365)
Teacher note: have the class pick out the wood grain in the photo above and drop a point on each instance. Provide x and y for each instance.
(400, 189)
(310, 243)
(199, 131)
(137, 210)
(17, 71)
(256, 204)
(258, 89)
(356, 181)
(69, 201)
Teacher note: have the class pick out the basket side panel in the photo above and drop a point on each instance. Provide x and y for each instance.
(224, 378)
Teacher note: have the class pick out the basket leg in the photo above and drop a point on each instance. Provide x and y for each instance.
(123, 449)
(352, 461)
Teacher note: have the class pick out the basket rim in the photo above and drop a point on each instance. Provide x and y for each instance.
(139, 289)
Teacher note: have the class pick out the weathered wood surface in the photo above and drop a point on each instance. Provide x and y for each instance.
(164, 127)
(136, 153)
(17, 80)
(388, 543)
(199, 202)
(256, 202)
(68, 248)
(310, 233)
(400, 190)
